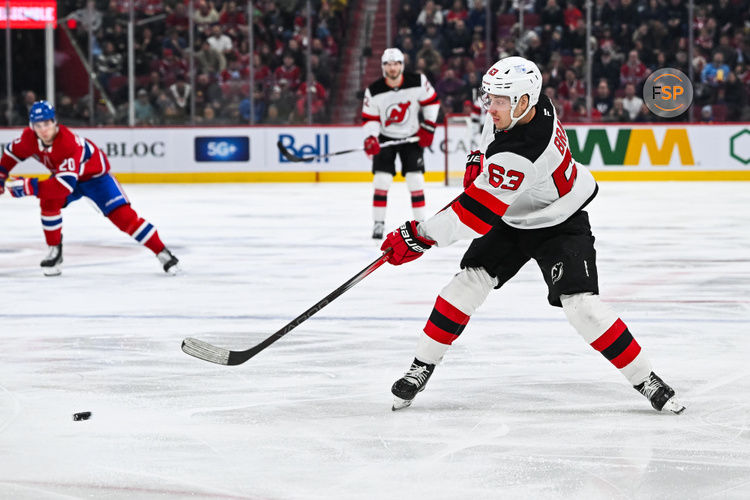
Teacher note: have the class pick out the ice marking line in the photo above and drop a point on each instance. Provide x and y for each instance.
(217, 493)
(129, 489)
(479, 318)
(600, 459)
(47, 493)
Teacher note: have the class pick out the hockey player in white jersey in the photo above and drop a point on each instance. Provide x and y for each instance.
(524, 198)
(390, 111)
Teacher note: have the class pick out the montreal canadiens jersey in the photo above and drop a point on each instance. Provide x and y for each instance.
(529, 180)
(394, 111)
(70, 158)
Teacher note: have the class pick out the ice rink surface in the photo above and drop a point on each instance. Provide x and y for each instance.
(520, 407)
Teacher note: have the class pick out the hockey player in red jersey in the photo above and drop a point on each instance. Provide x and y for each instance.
(390, 111)
(79, 168)
(523, 199)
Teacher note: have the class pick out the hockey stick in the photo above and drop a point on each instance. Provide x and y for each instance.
(205, 351)
(208, 352)
(296, 159)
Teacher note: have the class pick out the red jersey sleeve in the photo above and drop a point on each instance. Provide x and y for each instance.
(18, 150)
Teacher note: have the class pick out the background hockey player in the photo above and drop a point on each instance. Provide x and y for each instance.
(390, 111)
(524, 198)
(79, 168)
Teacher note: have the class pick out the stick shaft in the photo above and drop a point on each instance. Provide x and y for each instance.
(208, 352)
(294, 158)
(315, 308)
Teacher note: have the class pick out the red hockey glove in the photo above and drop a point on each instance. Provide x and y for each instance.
(372, 146)
(425, 133)
(21, 186)
(474, 165)
(405, 244)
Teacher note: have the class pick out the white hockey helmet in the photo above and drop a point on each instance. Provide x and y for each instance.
(513, 77)
(392, 55)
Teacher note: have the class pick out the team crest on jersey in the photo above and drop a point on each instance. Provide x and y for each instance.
(557, 272)
(397, 113)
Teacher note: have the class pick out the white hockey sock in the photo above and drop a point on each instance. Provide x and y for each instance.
(381, 182)
(415, 183)
(600, 327)
(430, 351)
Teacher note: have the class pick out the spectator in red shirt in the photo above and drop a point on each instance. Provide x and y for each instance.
(563, 90)
(633, 70)
(572, 15)
(232, 18)
(289, 72)
(170, 66)
(458, 11)
(178, 19)
(317, 104)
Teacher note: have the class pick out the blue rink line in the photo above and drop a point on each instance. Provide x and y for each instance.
(478, 318)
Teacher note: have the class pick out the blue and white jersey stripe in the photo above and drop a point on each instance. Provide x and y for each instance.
(9, 152)
(86, 152)
(67, 179)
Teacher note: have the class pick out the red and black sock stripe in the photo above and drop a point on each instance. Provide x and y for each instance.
(446, 322)
(380, 198)
(417, 198)
(617, 345)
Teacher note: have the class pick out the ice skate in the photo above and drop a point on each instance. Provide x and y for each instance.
(52, 263)
(169, 261)
(660, 394)
(377, 230)
(412, 383)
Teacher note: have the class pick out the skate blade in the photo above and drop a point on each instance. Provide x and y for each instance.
(400, 404)
(174, 270)
(52, 271)
(674, 406)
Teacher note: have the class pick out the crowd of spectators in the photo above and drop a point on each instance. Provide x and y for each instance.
(445, 39)
(630, 39)
(221, 60)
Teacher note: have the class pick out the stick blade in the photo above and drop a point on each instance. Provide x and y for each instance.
(205, 351)
(286, 154)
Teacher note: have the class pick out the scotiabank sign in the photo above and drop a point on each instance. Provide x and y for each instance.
(28, 14)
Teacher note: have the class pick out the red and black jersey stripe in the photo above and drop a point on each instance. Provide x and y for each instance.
(617, 345)
(370, 118)
(446, 322)
(478, 209)
(430, 100)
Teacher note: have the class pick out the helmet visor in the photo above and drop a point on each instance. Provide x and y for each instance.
(487, 100)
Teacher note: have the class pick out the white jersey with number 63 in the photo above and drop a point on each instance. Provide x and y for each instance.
(529, 179)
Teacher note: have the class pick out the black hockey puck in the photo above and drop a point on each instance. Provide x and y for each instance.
(84, 415)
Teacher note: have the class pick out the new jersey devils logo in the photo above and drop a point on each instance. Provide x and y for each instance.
(397, 113)
(557, 272)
